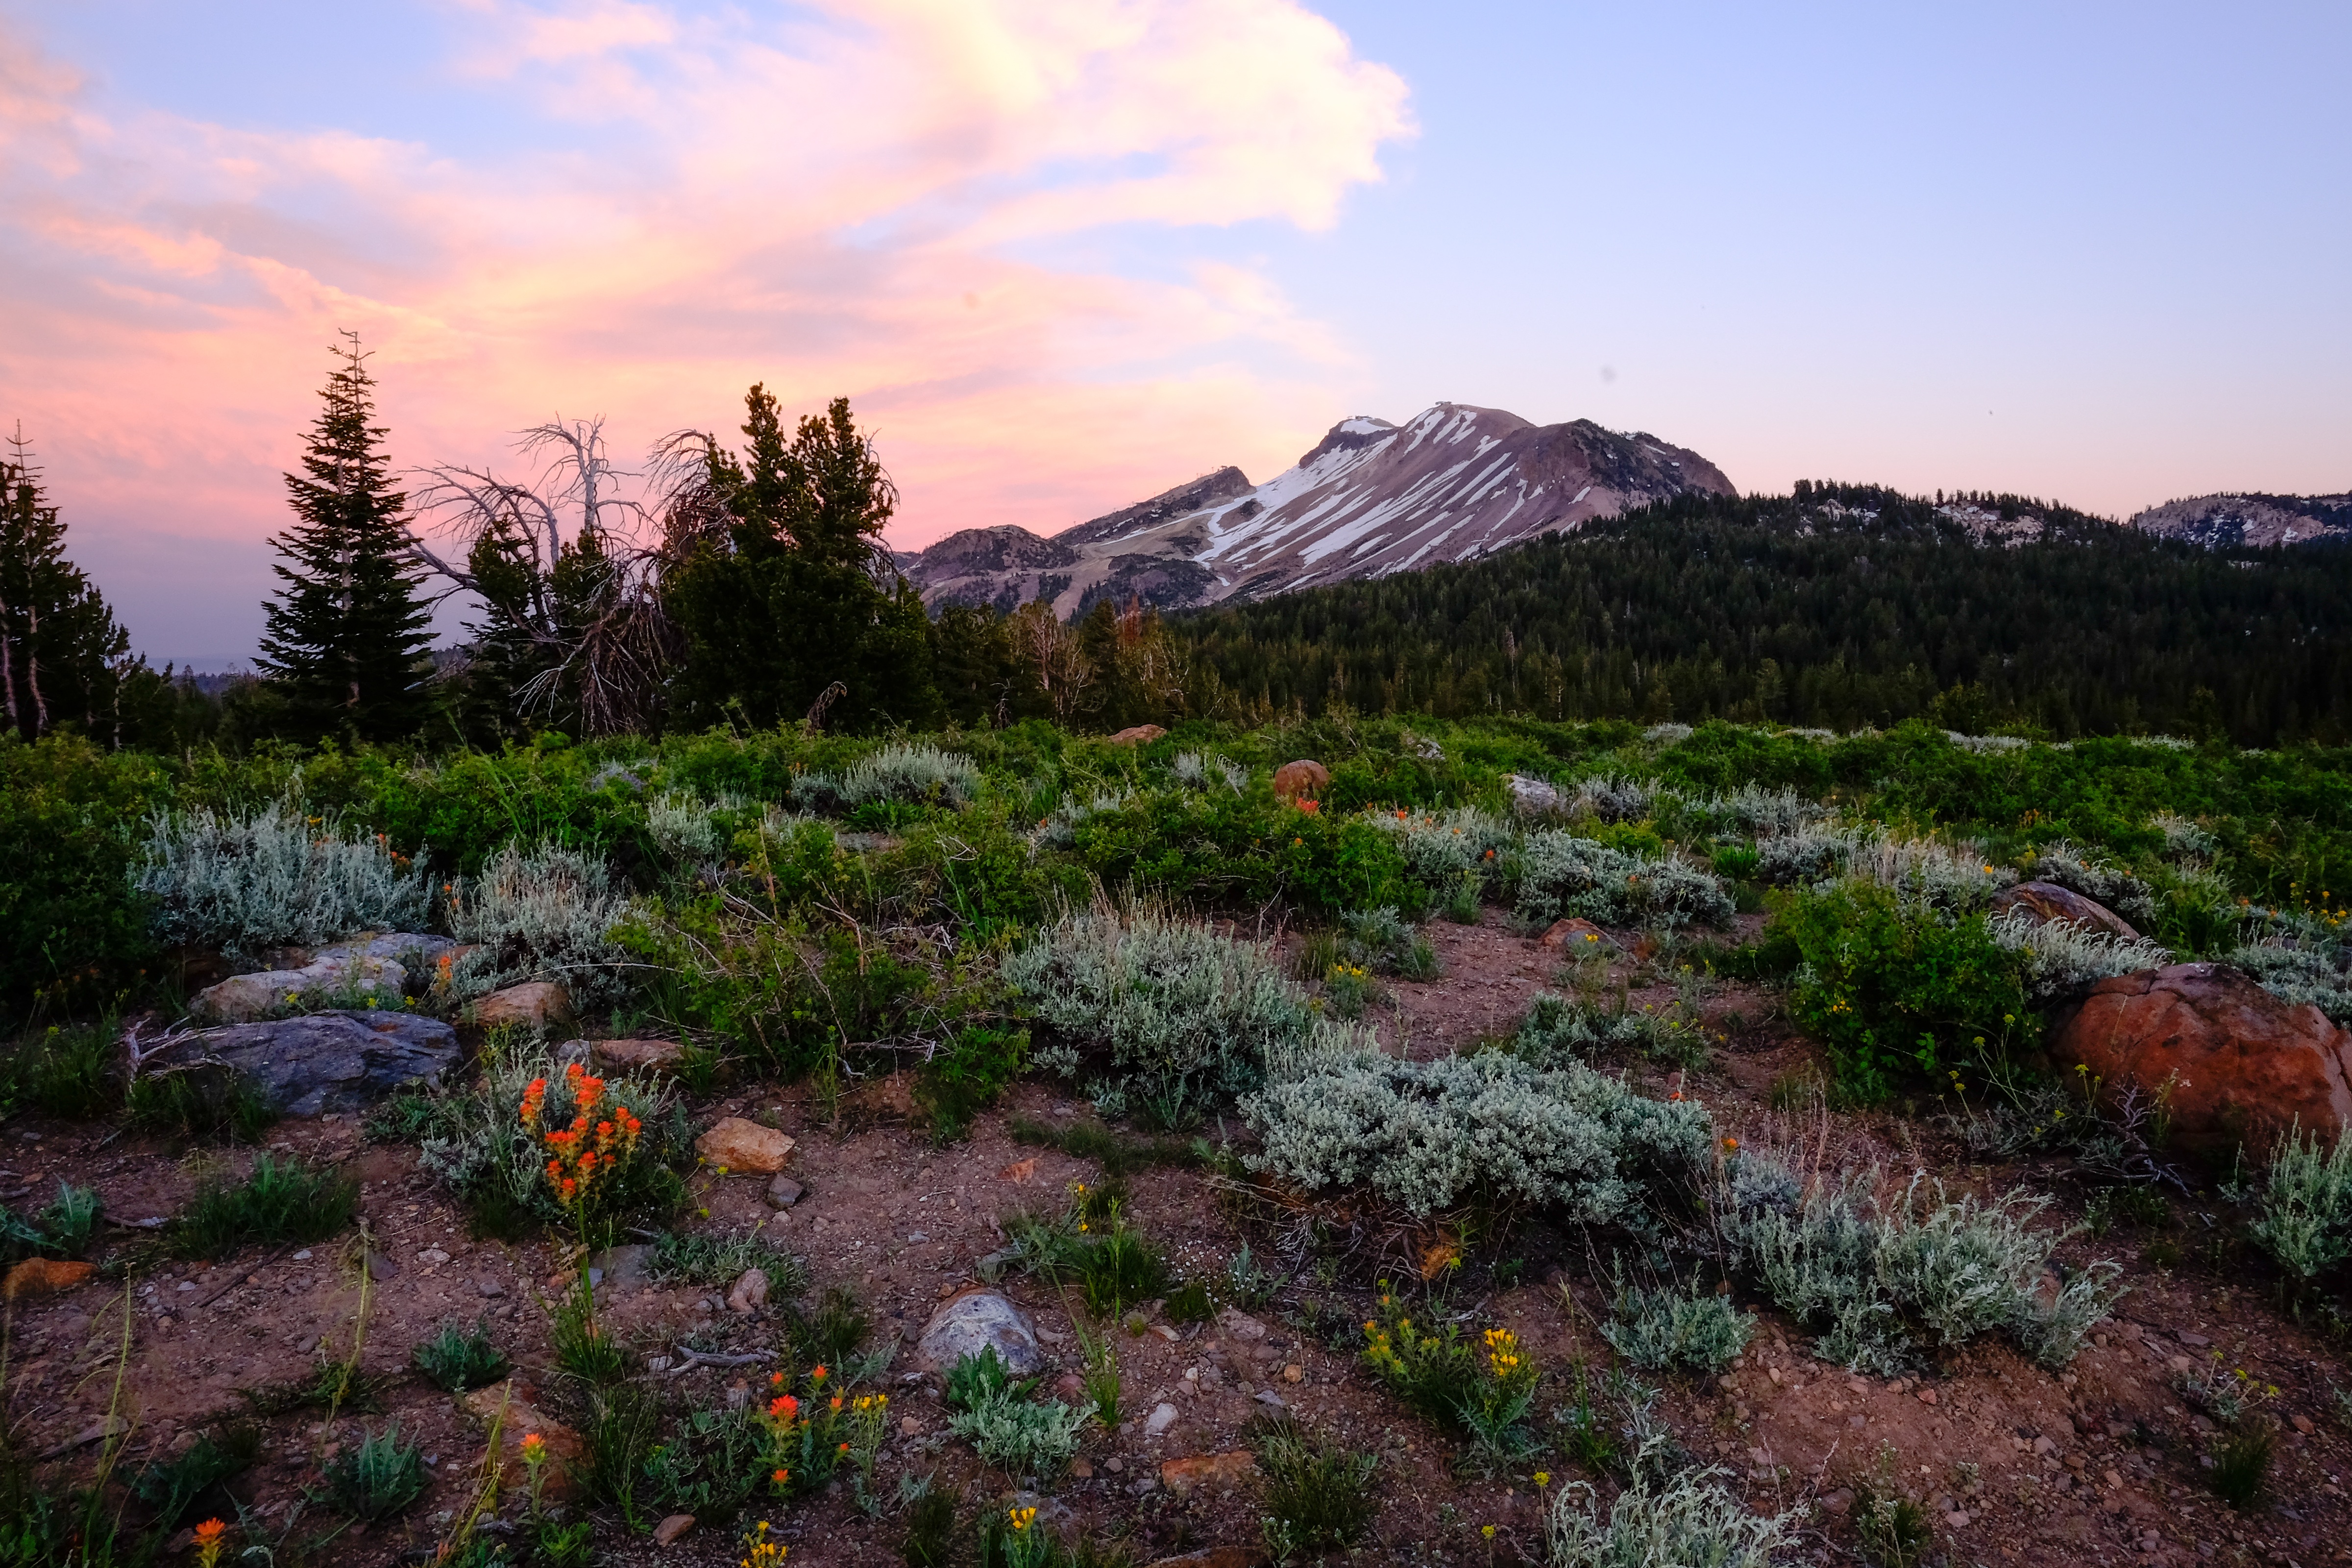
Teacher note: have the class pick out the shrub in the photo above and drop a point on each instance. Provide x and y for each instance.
(281, 1201)
(1804, 854)
(1892, 988)
(1874, 1278)
(2096, 880)
(983, 1379)
(273, 877)
(63, 1229)
(1318, 1493)
(72, 927)
(1019, 1438)
(204, 1103)
(707, 1465)
(2297, 975)
(546, 913)
(582, 1345)
(1384, 940)
(1558, 873)
(1761, 813)
(967, 1074)
(1669, 1328)
(2307, 1206)
(2242, 1468)
(914, 774)
(1953, 879)
(376, 1477)
(2063, 960)
(458, 1359)
(178, 1487)
(1442, 849)
(1691, 1518)
(1557, 1030)
(1610, 798)
(1430, 1134)
(1166, 1003)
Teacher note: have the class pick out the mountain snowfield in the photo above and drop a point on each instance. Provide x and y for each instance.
(1372, 497)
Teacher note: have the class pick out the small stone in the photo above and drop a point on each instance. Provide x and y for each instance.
(1956, 1520)
(784, 1191)
(1294, 1372)
(750, 1292)
(968, 1324)
(1580, 935)
(2043, 1445)
(1221, 1472)
(1162, 1416)
(1926, 1397)
(488, 1289)
(535, 1004)
(1165, 1333)
(1838, 1501)
(2301, 1424)
(434, 1256)
(1240, 1324)
(381, 1268)
(1081, 1468)
(47, 1275)
(908, 1427)
(2194, 1342)
(2114, 1478)
(303, 1256)
(625, 1055)
(673, 1527)
(1114, 1464)
(736, 1144)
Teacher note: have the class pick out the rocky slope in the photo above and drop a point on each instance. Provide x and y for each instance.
(1372, 498)
(2217, 521)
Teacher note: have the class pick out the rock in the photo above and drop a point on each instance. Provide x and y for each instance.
(784, 1191)
(2301, 1424)
(750, 1292)
(1082, 1468)
(535, 1004)
(908, 1427)
(1301, 780)
(2241, 1065)
(523, 1418)
(736, 1145)
(1838, 1501)
(44, 1277)
(335, 1061)
(1137, 736)
(1162, 1416)
(1240, 1324)
(1294, 1372)
(2044, 902)
(1577, 936)
(629, 1055)
(348, 970)
(670, 1529)
(1534, 794)
(1268, 1396)
(623, 1267)
(1215, 1557)
(969, 1323)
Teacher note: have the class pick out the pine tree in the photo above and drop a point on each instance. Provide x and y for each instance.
(62, 655)
(347, 633)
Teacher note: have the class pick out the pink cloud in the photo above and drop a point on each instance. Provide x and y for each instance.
(865, 202)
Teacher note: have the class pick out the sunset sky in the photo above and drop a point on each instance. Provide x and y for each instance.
(1065, 253)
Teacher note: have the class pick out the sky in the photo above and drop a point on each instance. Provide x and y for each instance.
(1064, 254)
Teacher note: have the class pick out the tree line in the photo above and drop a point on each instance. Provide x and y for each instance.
(749, 585)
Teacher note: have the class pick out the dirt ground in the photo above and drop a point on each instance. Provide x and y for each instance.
(2103, 1463)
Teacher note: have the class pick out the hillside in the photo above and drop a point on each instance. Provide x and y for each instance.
(1839, 606)
(1370, 498)
(2219, 521)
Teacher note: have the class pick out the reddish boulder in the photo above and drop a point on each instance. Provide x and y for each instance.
(1577, 936)
(1300, 780)
(2241, 1065)
(2047, 901)
(1139, 735)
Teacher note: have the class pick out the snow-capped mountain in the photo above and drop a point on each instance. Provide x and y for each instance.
(1372, 498)
(2259, 519)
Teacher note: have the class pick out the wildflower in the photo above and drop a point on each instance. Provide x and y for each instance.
(1019, 1519)
(1731, 1145)
(534, 1450)
(211, 1536)
(1488, 1530)
(1543, 1478)
(781, 1475)
(760, 1552)
(816, 1374)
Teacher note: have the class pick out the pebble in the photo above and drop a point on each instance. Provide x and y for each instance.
(909, 1425)
(488, 1289)
(673, 1527)
(1081, 1468)
(1162, 1416)
(1294, 1372)
(784, 1191)
(1114, 1464)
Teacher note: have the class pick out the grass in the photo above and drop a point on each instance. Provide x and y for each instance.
(623, 1424)
(1101, 1375)
(582, 1346)
(181, 1488)
(1117, 1156)
(930, 1526)
(1318, 1493)
(68, 1072)
(2242, 1468)
(376, 1477)
(457, 1359)
(717, 1260)
(984, 1379)
(203, 1104)
(1120, 1268)
(282, 1202)
(828, 1333)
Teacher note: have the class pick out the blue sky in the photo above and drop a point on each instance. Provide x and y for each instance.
(1065, 253)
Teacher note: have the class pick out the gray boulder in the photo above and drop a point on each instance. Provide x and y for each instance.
(376, 965)
(335, 1061)
(970, 1324)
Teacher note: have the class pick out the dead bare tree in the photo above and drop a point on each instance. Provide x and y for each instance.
(568, 564)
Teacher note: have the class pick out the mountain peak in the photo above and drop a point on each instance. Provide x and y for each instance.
(1453, 482)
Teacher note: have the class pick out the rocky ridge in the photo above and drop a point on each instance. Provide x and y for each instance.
(2220, 521)
(1372, 497)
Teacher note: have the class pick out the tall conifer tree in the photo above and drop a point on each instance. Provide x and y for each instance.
(347, 633)
(62, 654)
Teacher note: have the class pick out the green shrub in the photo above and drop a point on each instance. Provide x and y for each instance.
(1427, 1135)
(457, 1359)
(68, 1072)
(376, 1477)
(583, 1345)
(983, 1379)
(1897, 989)
(911, 775)
(1483, 1392)
(1318, 1493)
(63, 1229)
(244, 881)
(713, 1261)
(1557, 1031)
(2241, 1468)
(1384, 942)
(73, 930)
(967, 1074)
(282, 1201)
(930, 1526)
(2297, 975)
(1691, 1518)
(620, 1433)
(1016, 1436)
(544, 913)
(2306, 1205)
(826, 1334)
(1668, 1328)
(708, 1464)
(1160, 1003)
(1119, 1156)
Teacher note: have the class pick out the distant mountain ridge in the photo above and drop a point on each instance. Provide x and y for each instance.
(2221, 521)
(1370, 498)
